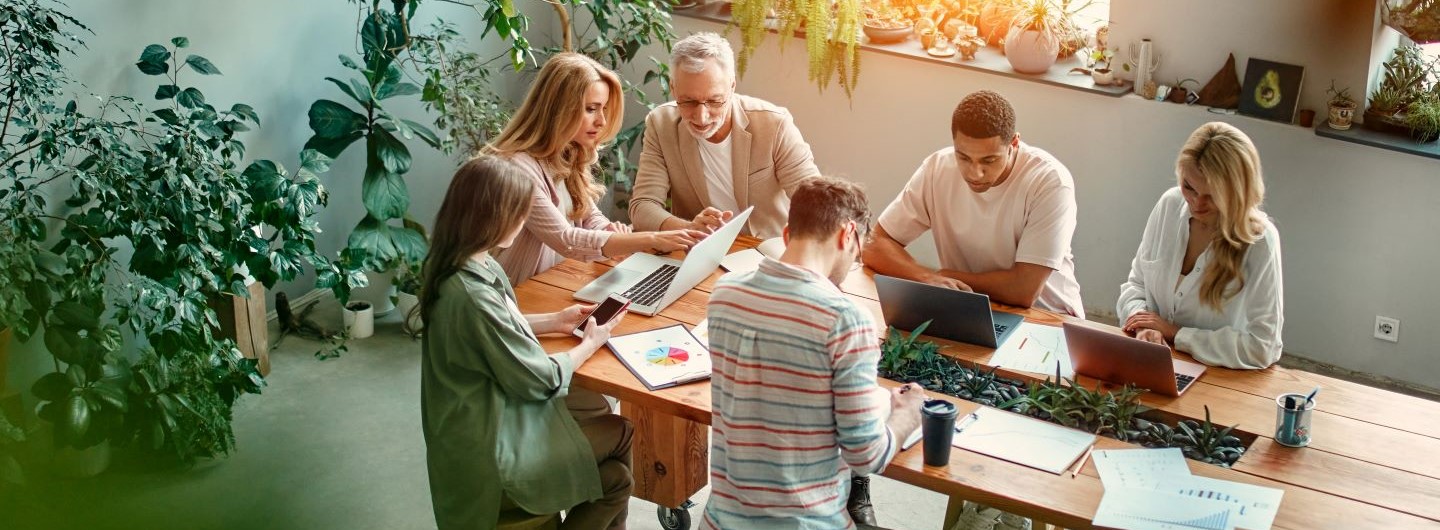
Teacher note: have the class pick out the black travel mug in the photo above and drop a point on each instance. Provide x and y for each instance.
(937, 422)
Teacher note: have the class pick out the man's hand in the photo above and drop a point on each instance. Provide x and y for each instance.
(941, 280)
(672, 240)
(1147, 320)
(710, 219)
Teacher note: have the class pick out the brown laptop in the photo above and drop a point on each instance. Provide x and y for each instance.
(1120, 359)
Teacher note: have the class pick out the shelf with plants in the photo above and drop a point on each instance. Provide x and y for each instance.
(1071, 71)
(1404, 110)
(1117, 414)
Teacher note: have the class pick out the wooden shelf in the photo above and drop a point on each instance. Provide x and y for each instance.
(988, 59)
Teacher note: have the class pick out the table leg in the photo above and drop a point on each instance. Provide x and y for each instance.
(952, 511)
(670, 456)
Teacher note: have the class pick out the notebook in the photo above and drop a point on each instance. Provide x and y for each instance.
(664, 357)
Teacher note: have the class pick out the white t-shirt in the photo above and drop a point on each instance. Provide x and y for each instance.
(1029, 218)
(1245, 332)
(718, 179)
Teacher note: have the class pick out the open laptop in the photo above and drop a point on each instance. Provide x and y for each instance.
(652, 282)
(955, 315)
(1120, 359)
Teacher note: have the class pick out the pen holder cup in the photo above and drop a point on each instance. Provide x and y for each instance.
(1292, 425)
(937, 423)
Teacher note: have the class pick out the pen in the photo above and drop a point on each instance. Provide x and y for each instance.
(1022, 342)
(969, 418)
(1047, 356)
(1083, 460)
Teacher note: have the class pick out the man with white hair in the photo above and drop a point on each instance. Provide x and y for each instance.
(712, 152)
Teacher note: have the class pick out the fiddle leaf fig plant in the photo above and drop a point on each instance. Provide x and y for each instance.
(375, 243)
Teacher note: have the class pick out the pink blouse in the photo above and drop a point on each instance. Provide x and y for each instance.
(549, 236)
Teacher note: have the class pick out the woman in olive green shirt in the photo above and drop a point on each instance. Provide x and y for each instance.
(497, 432)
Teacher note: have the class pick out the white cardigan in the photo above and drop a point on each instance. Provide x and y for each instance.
(1245, 333)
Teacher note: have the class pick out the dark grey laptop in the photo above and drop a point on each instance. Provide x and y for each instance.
(955, 315)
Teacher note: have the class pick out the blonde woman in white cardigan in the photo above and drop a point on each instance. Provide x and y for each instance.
(1207, 277)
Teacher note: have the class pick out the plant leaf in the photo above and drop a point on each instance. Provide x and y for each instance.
(384, 194)
(354, 92)
(166, 91)
(391, 152)
(332, 120)
(191, 98)
(180, 42)
(202, 65)
(425, 134)
(247, 111)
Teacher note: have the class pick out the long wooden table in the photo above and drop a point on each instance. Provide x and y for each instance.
(1374, 461)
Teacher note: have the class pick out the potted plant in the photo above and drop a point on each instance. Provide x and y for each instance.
(1423, 118)
(1407, 73)
(407, 286)
(1097, 64)
(1342, 107)
(1032, 44)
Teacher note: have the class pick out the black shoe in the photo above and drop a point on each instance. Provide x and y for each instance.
(861, 511)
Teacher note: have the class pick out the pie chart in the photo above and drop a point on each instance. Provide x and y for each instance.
(666, 356)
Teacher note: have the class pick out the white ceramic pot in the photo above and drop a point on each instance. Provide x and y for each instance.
(407, 304)
(359, 319)
(1031, 52)
(82, 463)
(380, 293)
(1105, 78)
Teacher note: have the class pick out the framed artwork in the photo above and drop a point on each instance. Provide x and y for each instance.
(1271, 90)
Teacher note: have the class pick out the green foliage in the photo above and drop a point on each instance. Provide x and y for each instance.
(1340, 97)
(832, 35)
(12, 437)
(1408, 75)
(375, 243)
(1423, 117)
(164, 183)
(1063, 401)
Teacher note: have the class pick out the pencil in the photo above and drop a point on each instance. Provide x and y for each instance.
(1083, 459)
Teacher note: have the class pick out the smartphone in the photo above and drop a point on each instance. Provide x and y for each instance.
(607, 310)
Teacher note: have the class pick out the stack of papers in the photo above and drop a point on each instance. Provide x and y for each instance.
(1035, 348)
(1153, 489)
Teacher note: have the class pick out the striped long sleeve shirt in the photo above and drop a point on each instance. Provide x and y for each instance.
(796, 406)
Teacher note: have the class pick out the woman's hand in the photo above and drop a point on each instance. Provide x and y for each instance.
(1147, 320)
(672, 240)
(619, 228)
(566, 319)
(595, 336)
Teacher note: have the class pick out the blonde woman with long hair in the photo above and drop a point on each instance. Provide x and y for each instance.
(1207, 276)
(574, 106)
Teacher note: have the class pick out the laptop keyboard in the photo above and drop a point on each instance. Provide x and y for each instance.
(649, 290)
(1000, 329)
(1182, 381)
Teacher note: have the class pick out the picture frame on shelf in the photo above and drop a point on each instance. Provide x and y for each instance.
(1271, 90)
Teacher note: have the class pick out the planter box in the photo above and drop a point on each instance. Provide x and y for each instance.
(243, 320)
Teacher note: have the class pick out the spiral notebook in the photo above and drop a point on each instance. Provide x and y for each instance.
(664, 357)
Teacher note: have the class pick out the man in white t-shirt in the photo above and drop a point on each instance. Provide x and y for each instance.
(1003, 213)
(712, 152)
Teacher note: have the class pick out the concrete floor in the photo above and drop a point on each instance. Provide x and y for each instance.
(330, 444)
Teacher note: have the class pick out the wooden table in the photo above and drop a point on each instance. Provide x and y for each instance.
(1374, 461)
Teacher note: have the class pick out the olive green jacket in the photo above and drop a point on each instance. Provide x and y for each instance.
(493, 408)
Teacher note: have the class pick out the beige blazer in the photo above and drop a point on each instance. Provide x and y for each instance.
(769, 158)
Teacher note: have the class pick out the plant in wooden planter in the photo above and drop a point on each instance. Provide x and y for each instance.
(1208, 443)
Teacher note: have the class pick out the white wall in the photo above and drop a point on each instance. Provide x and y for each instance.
(1355, 221)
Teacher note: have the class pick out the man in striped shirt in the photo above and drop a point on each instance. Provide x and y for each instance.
(796, 405)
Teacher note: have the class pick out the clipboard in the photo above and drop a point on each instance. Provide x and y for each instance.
(663, 357)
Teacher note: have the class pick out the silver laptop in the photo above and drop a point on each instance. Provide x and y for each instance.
(955, 315)
(652, 282)
(1120, 359)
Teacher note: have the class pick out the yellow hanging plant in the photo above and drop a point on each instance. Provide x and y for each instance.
(832, 33)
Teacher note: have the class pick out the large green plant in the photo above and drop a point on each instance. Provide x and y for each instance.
(157, 222)
(832, 35)
(376, 243)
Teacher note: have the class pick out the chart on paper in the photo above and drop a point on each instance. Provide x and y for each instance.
(1037, 349)
(663, 357)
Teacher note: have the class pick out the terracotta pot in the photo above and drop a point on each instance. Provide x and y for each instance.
(1306, 118)
(1340, 117)
(1031, 52)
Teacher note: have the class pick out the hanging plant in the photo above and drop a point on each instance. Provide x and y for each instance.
(832, 31)
(1417, 19)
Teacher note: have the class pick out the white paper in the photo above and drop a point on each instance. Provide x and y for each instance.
(1164, 473)
(1140, 468)
(1025, 441)
(1142, 509)
(742, 261)
(772, 248)
(1252, 507)
(1035, 348)
(663, 357)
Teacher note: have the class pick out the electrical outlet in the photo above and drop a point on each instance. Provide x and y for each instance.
(1387, 328)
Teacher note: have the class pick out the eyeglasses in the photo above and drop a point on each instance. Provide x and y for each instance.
(691, 104)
